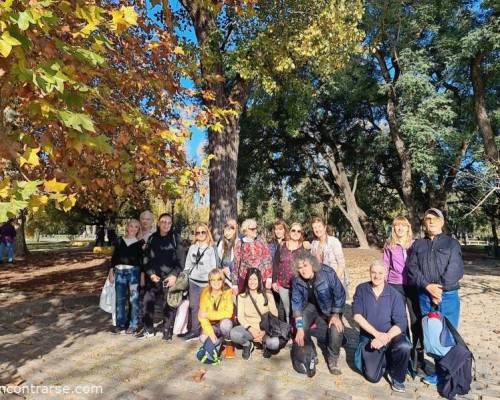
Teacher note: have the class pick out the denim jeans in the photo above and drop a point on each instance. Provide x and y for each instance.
(127, 288)
(11, 248)
(241, 336)
(449, 306)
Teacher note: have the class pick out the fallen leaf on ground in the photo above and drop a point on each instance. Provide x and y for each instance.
(16, 382)
(199, 374)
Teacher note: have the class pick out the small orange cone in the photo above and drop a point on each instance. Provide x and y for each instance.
(229, 351)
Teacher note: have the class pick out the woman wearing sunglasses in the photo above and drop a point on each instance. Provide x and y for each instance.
(216, 309)
(251, 251)
(282, 265)
(200, 261)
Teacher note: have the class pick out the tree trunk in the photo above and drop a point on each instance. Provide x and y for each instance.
(223, 168)
(21, 246)
(494, 234)
(406, 191)
(483, 121)
(351, 211)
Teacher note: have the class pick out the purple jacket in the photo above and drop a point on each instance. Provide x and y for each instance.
(395, 261)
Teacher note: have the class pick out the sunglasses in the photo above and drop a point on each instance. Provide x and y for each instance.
(216, 280)
(201, 232)
(252, 229)
(296, 230)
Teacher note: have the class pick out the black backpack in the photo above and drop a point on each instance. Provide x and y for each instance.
(304, 358)
(455, 368)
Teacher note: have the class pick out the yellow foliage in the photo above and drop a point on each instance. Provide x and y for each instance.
(53, 186)
(30, 157)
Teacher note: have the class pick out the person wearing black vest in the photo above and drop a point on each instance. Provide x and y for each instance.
(164, 258)
(124, 271)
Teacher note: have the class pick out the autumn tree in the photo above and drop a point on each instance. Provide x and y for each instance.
(90, 107)
(240, 47)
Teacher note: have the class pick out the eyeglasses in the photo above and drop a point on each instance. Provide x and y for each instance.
(296, 230)
(431, 219)
(216, 280)
(165, 222)
(201, 232)
(252, 229)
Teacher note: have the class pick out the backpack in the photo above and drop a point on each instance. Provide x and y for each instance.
(304, 358)
(438, 340)
(455, 368)
(209, 353)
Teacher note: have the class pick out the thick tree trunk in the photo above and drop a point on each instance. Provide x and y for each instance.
(494, 234)
(483, 121)
(223, 167)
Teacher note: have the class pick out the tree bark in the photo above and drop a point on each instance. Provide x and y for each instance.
(494, 234)
(21, 246)
(483, 121)
(348, 207)
(406, 191)
(227, 95)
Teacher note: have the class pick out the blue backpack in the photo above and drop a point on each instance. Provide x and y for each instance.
(438, 340)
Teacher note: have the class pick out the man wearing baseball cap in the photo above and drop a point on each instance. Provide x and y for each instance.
(435, 266)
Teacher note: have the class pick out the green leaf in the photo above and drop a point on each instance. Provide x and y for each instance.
(24, 20)
(76, 121)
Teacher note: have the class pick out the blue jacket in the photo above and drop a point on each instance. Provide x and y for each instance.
(329, 292)
(436, 261)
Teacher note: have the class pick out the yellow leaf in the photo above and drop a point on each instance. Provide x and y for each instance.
(53, 186)
(37, 201)
(118, 190)
(178, 50)
(4, 188)
(129, 15)
(68, 203)
(205, 161)
(30, 157)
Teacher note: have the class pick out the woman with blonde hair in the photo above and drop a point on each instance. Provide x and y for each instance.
(124, 272)
(200, 260)
(396, 251)
(216, 310)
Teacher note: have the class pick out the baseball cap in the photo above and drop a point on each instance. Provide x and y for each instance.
(434, 211)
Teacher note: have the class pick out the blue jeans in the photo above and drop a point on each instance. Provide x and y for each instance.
(449, 307)
(11, 248)
(127, 283)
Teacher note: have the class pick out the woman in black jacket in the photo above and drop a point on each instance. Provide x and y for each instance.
(164, 259)
(124, 271)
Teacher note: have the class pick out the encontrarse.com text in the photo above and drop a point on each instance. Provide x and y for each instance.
(51, 389)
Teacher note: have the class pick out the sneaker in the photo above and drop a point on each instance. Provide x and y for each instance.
(145, 335)
(117, 330)
(167, 335)
(191, 336)
(397, 386)
(229, 351)
(247, 351)
(131, 331)
(431, 379)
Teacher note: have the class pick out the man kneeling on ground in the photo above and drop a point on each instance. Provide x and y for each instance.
(318, 297)
(380, 311)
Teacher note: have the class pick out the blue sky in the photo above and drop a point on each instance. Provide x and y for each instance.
(198, 136)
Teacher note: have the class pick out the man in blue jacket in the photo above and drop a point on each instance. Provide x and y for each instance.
(318, 297)
(436, 267)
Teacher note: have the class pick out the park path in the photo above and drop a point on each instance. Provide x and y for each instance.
(68, 344)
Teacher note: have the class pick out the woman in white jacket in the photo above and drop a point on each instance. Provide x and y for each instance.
(200, 260)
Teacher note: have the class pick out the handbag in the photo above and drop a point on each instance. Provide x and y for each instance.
(107, 301)
(272, 325)
(182, 282)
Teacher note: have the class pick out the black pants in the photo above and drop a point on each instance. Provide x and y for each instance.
(153, 292)
(410, 295)
(325, 334)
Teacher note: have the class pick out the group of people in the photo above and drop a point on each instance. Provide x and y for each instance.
(235, 283)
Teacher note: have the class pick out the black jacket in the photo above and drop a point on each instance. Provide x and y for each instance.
(127, 255)
(164, 255)
(436, 261)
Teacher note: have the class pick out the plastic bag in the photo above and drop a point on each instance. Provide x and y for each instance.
(107, 301)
